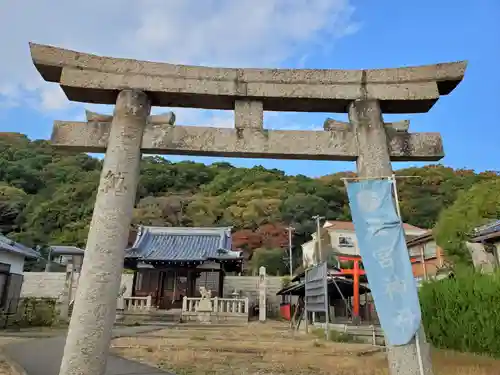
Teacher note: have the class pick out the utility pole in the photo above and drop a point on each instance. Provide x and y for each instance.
(290, 255)
(318, 235)
(49, 260)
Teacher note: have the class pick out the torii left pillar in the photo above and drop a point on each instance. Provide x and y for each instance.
(89, 334)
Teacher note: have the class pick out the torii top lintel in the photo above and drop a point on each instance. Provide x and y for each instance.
(95, 79)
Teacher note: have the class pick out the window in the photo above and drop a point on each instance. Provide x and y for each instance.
(430, 250)
(345, 241)
(415, 252)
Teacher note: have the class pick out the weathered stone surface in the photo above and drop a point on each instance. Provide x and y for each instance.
(248, 114)
(335, 144)
(95, 79)
(374, 161)
(262, 294)
(167, 118)
(331, 124)
(399, 126)
(94, 313)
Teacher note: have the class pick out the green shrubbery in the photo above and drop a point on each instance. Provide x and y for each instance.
(33, 312)
(463, 313)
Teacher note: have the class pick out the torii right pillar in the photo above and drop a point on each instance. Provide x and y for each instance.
(374, 161)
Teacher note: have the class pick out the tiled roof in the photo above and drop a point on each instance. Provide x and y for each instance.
(66, 250)
(10, 246)
(417, 240)
(348, 225)
(489, 228)
(182, 244)
(486, 232)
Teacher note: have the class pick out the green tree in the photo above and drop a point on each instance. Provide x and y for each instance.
(169, 210)
(47, 196)
(204, 211)
(461, 313)
(12, 203)
(273, 259)
(472, 208)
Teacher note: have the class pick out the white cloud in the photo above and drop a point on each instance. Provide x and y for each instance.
(53, 98)
(245, 33)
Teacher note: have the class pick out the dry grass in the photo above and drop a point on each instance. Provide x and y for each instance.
(5, 368)
(272, 349)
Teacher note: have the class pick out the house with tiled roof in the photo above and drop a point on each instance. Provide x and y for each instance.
(171, 263)
(342, 238)
(488, 233)
(427, 257)
(12, 257)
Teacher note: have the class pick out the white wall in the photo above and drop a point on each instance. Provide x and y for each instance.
(52, 284)
(308, 253)
(248, 286)
(335, 235)
(43, 284)
(16, 261)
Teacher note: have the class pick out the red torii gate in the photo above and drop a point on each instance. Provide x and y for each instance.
(356, 272)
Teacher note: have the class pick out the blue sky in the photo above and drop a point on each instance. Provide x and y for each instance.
(315, 34)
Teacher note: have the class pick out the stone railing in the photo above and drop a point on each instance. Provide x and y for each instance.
(231, 305)
(136, 303)
(222, 305)
(230, 310)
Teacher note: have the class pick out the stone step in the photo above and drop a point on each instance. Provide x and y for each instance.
(208, 327)
(150, 319)
(159, 323)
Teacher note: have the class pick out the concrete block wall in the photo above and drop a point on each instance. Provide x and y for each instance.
(51, 284)
(248, 286)
(43, 284)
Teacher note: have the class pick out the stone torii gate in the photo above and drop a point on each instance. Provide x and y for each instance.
(134, 86)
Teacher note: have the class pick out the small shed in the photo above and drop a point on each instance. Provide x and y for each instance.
(62, 255)
(12, 257)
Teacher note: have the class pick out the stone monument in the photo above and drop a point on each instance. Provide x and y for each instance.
(120, 304)
(134, 86)
(204, 308)
(262, 294)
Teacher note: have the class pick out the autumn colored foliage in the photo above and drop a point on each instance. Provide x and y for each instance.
(47, 197)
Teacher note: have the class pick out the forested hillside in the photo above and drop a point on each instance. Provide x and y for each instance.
(46, 196)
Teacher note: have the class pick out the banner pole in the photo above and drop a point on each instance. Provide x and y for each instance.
(398, 209)
(417, 341)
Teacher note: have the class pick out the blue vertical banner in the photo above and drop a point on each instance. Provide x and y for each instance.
(385, 257)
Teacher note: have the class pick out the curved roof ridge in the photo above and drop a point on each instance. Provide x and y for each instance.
(168, 229)
(15, 247)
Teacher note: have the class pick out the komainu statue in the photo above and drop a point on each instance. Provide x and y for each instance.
(205, 293)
